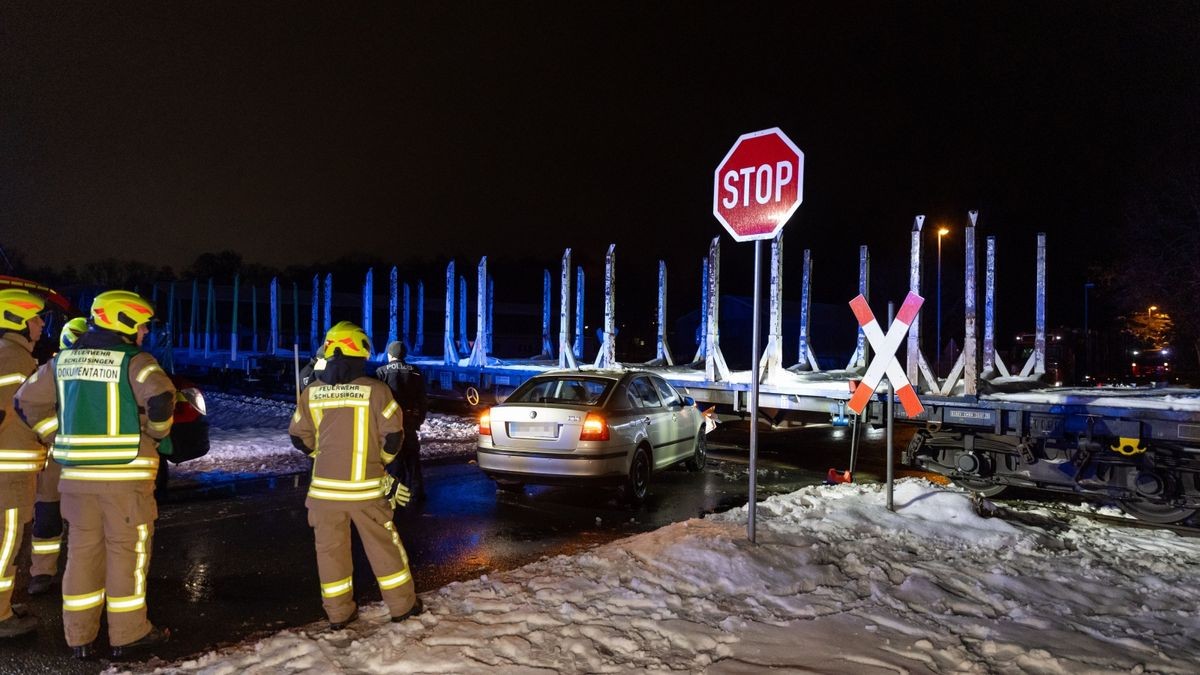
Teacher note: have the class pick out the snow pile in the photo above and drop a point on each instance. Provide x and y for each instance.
(836, 583)
(248, 439)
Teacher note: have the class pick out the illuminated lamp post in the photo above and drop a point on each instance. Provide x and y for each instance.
(942, 231)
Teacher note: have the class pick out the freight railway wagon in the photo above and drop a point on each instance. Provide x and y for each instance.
(1138, 447)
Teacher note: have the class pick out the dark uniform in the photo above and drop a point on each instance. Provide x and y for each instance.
(408, 389)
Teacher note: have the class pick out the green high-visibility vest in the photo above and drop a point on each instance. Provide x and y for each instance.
(97, 412)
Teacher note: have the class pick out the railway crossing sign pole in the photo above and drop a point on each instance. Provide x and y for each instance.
(756, 189)
(885, 364)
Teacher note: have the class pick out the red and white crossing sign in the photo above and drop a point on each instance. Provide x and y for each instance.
(759, 185)
(885, 361)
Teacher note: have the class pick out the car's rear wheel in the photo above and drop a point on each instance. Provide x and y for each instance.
(638, 480)
(699, 453)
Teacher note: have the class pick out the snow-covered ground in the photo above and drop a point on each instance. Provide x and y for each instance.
(248, 438)
(836, 583)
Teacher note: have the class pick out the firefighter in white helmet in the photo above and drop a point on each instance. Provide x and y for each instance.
(353, 428)
(22, 455)
(105, 404)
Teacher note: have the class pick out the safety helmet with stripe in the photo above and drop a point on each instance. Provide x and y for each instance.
(17, 307)
(121, 311)
(349, 339)
(71, 331)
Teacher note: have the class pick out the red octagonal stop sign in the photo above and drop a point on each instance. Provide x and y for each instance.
(759, 185)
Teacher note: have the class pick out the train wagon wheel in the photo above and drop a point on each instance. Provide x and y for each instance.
(1161, 514)
(979, 487)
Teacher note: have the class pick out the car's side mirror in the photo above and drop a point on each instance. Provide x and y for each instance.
(688, 400)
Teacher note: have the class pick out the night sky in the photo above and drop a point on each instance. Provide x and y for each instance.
(295, 133)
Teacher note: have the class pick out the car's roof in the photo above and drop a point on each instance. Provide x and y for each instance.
(605, 373)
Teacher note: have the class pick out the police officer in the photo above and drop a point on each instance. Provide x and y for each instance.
(47, 517)
(22, 455)
(105, 404)
(352, 428)
(408, 388)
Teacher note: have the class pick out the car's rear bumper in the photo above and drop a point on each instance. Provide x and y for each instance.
(550, 468)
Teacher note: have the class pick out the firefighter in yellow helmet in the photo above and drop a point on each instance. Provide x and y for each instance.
(22, 455)
(47, 517)
(105, 404)
(353, 428)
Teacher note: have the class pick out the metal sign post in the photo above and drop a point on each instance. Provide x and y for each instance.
(756, 189)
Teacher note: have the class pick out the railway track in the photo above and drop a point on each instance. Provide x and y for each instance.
(1052, 516)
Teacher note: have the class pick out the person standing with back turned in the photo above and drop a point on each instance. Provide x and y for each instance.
(408, 388)
(22, 455)
(352, 428)
(105, 404)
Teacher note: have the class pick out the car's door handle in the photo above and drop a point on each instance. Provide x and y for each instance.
(647, 420)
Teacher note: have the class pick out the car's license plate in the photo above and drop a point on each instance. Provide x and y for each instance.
(533, 430)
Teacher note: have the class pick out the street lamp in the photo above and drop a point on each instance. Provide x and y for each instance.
(942, 231)
(1087, 336)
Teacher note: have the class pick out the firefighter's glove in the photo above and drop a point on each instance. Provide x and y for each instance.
(394, 491)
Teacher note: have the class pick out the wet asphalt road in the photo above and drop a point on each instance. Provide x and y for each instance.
(236, 562)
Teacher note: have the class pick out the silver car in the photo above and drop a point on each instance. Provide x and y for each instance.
(613, 427)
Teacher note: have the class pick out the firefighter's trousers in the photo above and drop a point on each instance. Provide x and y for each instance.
(47, 522)
(108, 557)
(12, 531)
(389, 562)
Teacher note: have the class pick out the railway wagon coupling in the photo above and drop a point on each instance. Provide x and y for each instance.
(1144, 458)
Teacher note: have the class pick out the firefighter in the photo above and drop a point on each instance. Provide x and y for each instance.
(47, 517)
(351, 426)
(408, 388)
(105, 404)
(22, 455)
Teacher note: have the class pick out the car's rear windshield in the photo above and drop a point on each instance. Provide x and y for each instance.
(567, 389)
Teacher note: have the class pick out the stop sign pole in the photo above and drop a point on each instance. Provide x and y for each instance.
(756, 189)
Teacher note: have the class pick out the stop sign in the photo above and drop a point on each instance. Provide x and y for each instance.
(759, 185)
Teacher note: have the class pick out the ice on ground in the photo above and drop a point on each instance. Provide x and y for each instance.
(835, 583)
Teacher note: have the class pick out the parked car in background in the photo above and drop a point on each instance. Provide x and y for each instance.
(592, 427)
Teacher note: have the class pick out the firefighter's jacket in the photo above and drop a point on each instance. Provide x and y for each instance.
(22, 455)
(344, 426)
(100, 431)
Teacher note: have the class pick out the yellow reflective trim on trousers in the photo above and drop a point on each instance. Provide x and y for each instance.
(94, 473)
(359, 469)
(46, 426)
(78, 603)
(336, 588)
(396, 542)
(47, 546)
(335, 484)
(12, 378)
(129, 603)
(398, 579)
(145, 372)
(8, 548)
(339, 496)
(139, 568)
(114, 409)
(390, 410)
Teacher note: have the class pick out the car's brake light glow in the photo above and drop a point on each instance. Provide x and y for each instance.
(485, 423)
(594, 428)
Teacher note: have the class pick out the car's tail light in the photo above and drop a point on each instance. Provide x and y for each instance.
(594, 428)
(485, 423)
